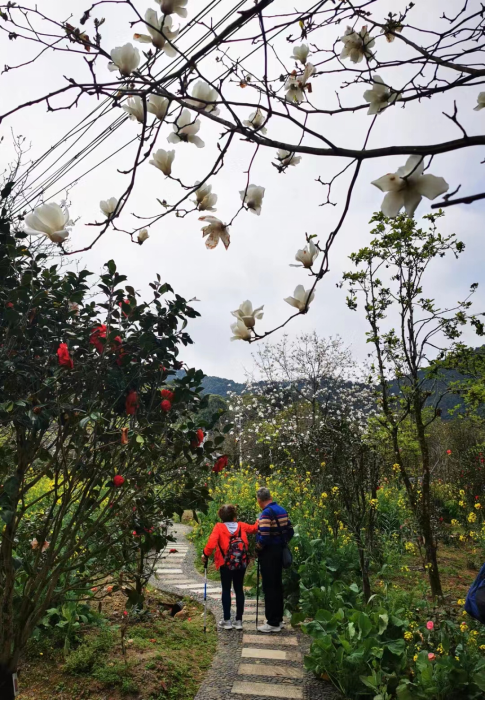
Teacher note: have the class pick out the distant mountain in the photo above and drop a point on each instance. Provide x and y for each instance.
(221, 386)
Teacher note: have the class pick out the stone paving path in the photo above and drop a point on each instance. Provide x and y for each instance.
(247, 664)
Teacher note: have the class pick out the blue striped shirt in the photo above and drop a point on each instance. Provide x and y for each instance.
(268, 531)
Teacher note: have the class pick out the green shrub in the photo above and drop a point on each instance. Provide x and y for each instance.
(88, 653)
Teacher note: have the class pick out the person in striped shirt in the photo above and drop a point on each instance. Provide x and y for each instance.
(274, 531)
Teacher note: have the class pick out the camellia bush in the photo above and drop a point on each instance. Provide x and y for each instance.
(97, 442)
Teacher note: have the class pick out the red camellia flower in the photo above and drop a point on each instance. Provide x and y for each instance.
(64, 357)
(118, 480)
(166, 405)
(220, 464)
(9, 305)
(173, 550)
(131, 404)
(448, 452)
(198, 441)
(167, 394)
(98, 333)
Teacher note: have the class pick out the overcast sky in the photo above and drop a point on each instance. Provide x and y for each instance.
(256, 266)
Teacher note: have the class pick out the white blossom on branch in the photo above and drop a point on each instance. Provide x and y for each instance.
(240, 331)
(125, 59)
(108, 207)
(134, 108)
(50, 220)
(252, 197)
(163, 160)
(185, 129)
(158, 106)
(256, 121)
(306, 256)
(300, 53)
(247, 314)
(301, 298)
(480, 102)
(170, 7)
(379, 96)
(215, 231)
(407, 186)
(160, 33)
(205, 199)
(297, 84)
(203, 97)
(357, 45)
(286, 158)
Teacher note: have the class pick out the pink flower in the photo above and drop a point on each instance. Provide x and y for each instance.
(431, 655)
(430, 626)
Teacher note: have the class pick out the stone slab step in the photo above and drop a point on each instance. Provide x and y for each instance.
(270, 670)
(169, 570)
(173, 582)
(269, 654)
(279, 691)
(186, 584)
(268, 639)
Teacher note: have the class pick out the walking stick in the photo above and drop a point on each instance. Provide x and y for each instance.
(205, 596)
(257, 594)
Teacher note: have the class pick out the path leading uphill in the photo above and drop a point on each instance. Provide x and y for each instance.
(247, 664)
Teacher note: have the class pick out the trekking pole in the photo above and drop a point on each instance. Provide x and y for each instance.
(257, 593)
(205, 596)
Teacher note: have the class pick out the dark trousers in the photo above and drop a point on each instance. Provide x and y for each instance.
(236, 578)
(271, 564)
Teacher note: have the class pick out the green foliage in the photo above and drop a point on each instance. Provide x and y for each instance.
(89, 653)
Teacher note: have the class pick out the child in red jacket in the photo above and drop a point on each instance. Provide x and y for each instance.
(229, 540)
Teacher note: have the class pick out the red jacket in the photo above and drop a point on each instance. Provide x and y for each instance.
(220, 537)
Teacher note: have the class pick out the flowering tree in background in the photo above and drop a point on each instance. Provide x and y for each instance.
(302, 386)
(266, 76)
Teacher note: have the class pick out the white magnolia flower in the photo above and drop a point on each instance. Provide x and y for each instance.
(170, 7)
(300, 53)
(307, 256)
(297, 83)
(125, 58)
(134, 107)
(247, 314)
(480, 102)
(108, 207)
(185, 129)
(215, 230)
(300, 298)
(379, 96)
(204, 96)
(205, 198)
(160, 33)
(256, 121)
(407, 186)
(390, 37)
(143, 236)
(252, 197)
(286, 158)
(50, 220)
(357, 45)
(240, 331)
(163, 160)
(158, 106)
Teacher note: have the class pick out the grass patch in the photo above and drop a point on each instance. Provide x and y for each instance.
(165, 658)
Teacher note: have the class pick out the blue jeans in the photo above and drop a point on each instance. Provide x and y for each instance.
(236, 578)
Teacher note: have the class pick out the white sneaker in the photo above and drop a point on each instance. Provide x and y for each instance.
(282, 624)
(266, 628)
(238, 625)
(227, 625)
